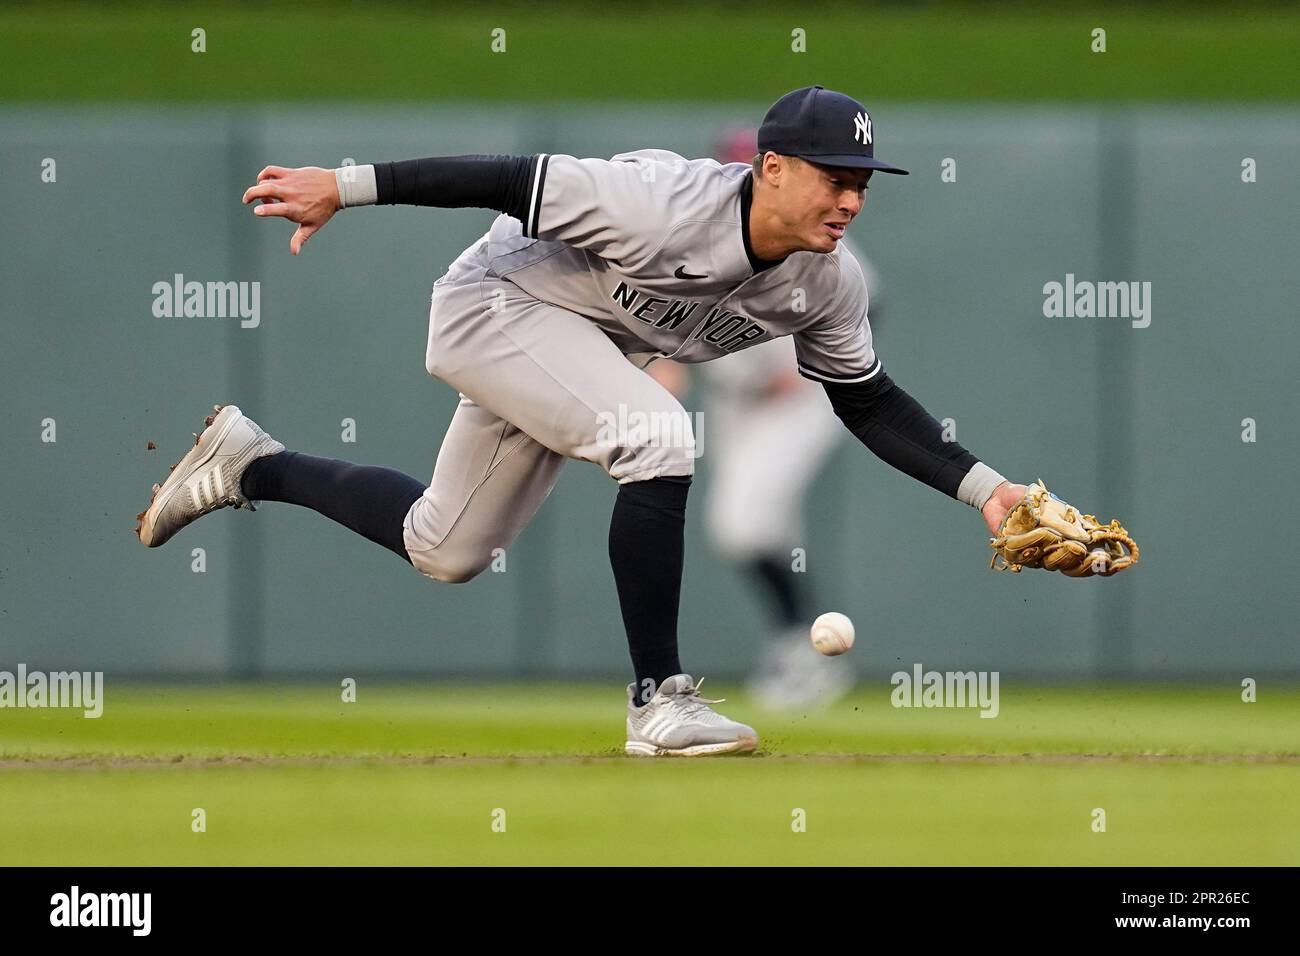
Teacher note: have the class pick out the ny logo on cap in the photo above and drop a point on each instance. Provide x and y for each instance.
(862, 128)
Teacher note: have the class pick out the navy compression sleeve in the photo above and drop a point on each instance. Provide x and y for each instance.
(900, 432)
(502, 183)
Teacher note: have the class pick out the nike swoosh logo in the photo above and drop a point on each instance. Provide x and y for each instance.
(681, 273)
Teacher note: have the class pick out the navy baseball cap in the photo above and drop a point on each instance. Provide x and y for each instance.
(822, 126)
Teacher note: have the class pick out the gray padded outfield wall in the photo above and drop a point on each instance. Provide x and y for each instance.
(1147, 423)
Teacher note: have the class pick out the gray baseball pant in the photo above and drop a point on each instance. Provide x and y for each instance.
(538, 384)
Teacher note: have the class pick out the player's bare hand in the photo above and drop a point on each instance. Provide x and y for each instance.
(783, 383)
(307, 195)
(1005, 497)
(671, 375)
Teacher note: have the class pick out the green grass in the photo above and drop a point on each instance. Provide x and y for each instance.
(412, 775)
(673, 50)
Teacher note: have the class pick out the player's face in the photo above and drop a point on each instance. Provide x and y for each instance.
(825, 200)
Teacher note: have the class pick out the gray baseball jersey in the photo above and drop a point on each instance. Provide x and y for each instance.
(648, 245)
(541, 326)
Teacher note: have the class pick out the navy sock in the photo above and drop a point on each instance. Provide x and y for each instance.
(647, 551)
(777, 582)
(371, 501)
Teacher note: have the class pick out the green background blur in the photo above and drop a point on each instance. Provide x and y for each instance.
(1123, 165)
(699, 52)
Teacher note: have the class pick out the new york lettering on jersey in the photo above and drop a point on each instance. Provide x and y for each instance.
(722, 327)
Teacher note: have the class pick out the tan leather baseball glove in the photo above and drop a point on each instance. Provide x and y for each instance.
(1042, 531)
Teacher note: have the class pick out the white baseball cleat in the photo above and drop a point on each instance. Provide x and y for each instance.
(793, 676)
(678, 722)
(207, 478)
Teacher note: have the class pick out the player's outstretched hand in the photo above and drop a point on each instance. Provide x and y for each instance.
(1005, 497)
(307, 195)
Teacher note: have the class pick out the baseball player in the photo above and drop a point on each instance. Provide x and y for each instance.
(545, 325)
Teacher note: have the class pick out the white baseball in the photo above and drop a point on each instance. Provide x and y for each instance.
(832, 633)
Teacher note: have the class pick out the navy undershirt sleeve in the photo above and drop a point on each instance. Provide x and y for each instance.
(503, 183)
(900, 432)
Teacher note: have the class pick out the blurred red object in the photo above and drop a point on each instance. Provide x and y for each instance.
(737, 145)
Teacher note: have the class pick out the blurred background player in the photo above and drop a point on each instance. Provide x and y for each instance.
(770, 433)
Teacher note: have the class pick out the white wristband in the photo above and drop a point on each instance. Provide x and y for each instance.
(356, 185)
(978, 485)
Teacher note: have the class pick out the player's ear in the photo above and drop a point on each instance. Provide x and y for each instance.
(774, 167)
